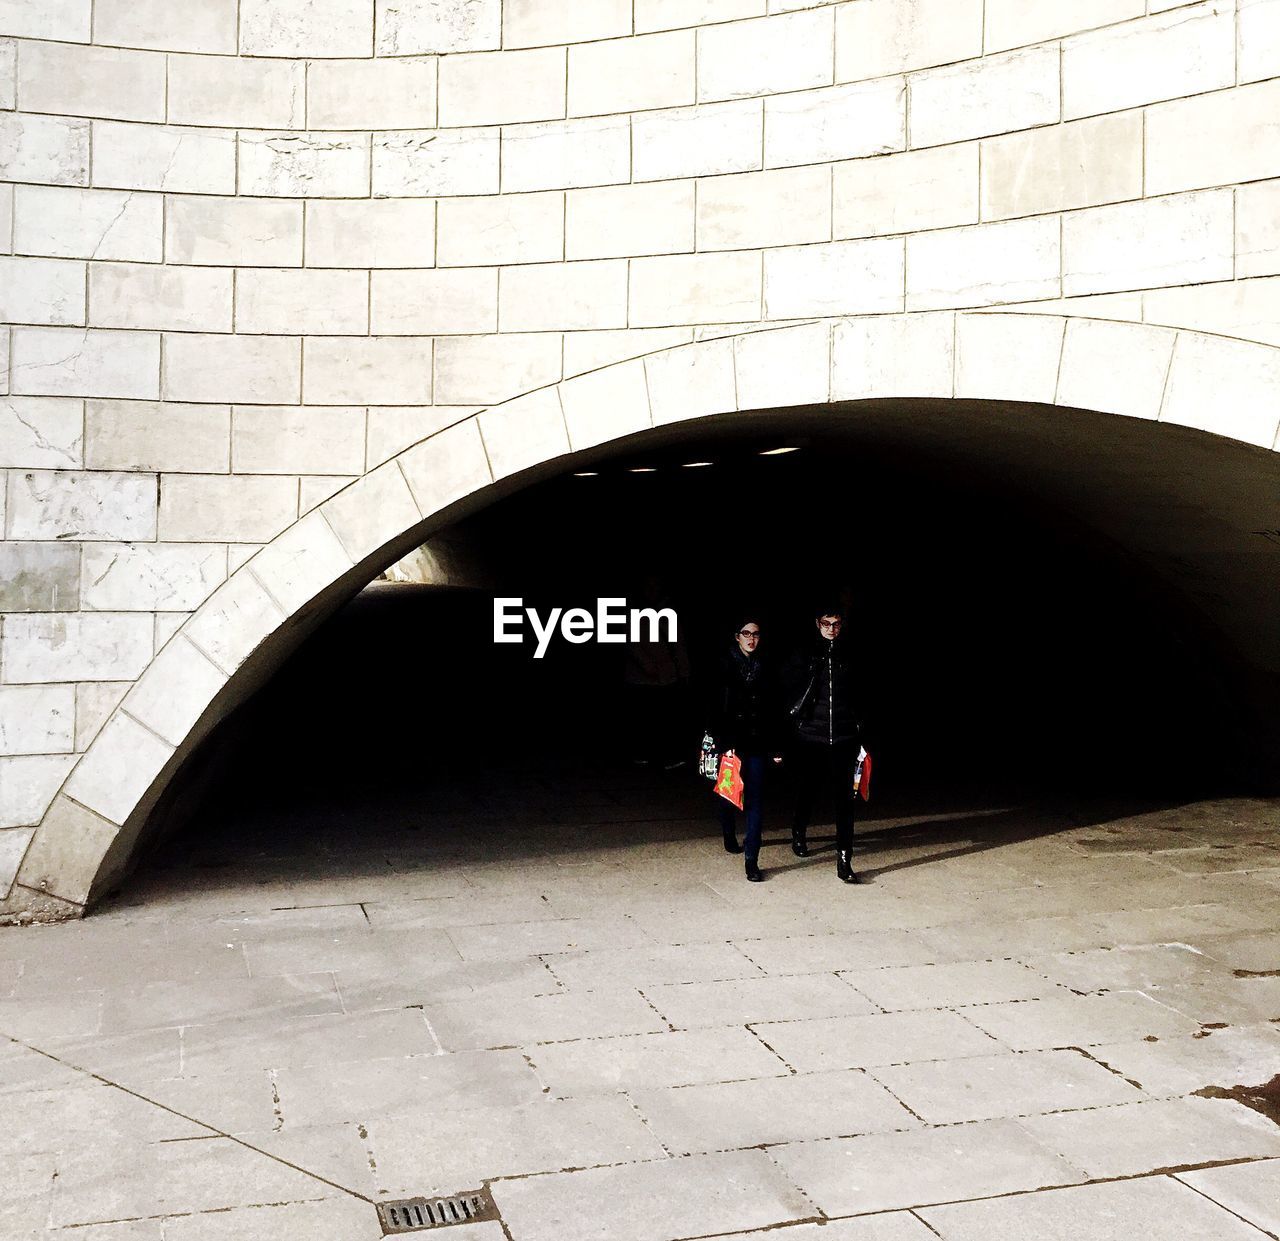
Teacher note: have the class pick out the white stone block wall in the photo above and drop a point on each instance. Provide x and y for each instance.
(251, 250)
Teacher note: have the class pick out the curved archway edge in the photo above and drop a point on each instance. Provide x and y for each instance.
(1222, 386)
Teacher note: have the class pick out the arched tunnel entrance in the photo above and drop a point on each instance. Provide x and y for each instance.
(412, 920)
(1046, 605)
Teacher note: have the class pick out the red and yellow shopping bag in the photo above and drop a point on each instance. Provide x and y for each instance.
(729, 780)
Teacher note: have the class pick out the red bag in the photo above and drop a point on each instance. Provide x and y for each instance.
(729, 781)
(862, 776)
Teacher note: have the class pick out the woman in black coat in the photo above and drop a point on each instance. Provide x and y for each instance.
(746, 721)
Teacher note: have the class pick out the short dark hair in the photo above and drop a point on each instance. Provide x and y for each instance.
(824, 611)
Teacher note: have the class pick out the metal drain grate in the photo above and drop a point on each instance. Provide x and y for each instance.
(418, 1214)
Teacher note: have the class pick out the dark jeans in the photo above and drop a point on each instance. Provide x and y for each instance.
(753, 769)
(826, 770)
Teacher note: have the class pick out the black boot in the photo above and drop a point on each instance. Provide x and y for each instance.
(731, 844)
(753, 870)
(799, 846)
(844, 867)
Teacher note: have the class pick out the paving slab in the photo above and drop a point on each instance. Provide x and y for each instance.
(27, 1193)
(1256, 951)
(1138, 968)
(67, 1117)
(942, 986)
(1235, 1001)
(652, 1202)
(189, 1004)
(880, 1038)
(505, 941)
(121, 1058)
(488, 1022)
(343, 1219)
(268, 1042)
(821, 954)
(737, 1001)
(1240, 1055)
(334, 1155)
(164, 1178)
(729, 1115)
(329, 1093)
(990, 939)
(23, 1071)
(413, 950)
(67, 1016)
(238, 1101)
(894, 1171)
(1155, 1209)
(660, 963)
(1251, 1190)
(894, 1226)
(1021, 1084)
(645, 1061)
(1138, 1138)
(454, 1149)
(472, 909)
(1078, 1020)
(414, 984)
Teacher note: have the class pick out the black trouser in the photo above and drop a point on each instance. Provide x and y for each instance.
(826, 770)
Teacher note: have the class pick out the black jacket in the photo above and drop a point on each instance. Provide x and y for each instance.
(746, 711)
(821, 695)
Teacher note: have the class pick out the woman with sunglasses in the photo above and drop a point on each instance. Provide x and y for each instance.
(746, 721)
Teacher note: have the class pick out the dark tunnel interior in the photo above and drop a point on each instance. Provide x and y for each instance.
(1009, 655)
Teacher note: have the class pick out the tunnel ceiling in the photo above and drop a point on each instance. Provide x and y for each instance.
(1200, 513)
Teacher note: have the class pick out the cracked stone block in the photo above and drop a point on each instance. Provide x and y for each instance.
(47, 150)
(305, 165)
(45, 504)
(8, 74)
(39, 577)
(41, 432)
(257, 94)
(135, 577)
(65, 222)
(209, 26)
(163, 157)
(13, 847)
(67, 20)
(82, 646)
(160, 436)
(405, 29)
(37, 719)
(78, 362)
(95, 700)
(43, 291)
(306, 27)
(28, 783)
(66, 79)
(445, 162)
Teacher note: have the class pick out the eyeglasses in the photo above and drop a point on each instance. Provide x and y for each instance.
(830, 624)
(748, 633)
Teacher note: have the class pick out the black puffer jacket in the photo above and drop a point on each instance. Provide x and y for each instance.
(746, 711)
(820, 695)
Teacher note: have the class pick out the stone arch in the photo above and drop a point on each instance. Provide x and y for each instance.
(1225, 387)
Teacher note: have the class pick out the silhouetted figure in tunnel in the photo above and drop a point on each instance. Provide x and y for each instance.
(745, 720)
(827, 730)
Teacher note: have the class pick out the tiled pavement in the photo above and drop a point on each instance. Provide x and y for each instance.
(1024, 1026)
